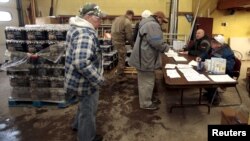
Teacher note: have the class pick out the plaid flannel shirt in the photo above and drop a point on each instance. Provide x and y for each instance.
(83, 63)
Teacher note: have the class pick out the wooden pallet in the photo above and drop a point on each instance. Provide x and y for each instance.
(130, 70)
(39, 103)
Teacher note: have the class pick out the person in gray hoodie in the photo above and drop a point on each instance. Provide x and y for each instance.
(83, 69)
(146, 56)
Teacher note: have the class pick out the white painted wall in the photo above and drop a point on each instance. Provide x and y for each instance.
(9, 7)
(241, 44)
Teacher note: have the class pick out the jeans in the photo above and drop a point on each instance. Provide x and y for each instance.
(146, 81)
(85, 118)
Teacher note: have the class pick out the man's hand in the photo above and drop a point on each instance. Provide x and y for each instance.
(198, 59)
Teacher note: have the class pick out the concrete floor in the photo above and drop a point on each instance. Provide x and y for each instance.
(119, 117)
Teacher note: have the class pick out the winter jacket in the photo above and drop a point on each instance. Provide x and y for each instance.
(135, 31)
(223, 52)
(147, 56)
(83, 64)
(200, 47)
(121, 31)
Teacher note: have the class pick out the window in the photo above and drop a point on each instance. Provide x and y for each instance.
(5, 16)
(4, 0)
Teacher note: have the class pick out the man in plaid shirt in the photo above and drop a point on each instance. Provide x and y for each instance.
(83, 69)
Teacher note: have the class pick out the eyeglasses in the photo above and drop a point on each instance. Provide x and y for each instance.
(97, 17)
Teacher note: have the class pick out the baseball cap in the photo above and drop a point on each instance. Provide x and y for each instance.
(219, 38)
(161, 15)
(91, 9)
(146, 14)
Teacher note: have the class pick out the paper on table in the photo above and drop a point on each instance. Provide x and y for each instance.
(179, 58)
(183, 66)
(193, 63)
(200, 77)
(189, 71)
(173, 73)
(221, 78)
(171, 54)
(170, 66)
(192, 75)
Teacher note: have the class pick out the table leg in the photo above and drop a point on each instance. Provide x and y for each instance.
(181, 105)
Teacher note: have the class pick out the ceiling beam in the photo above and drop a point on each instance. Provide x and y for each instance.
(230, 4)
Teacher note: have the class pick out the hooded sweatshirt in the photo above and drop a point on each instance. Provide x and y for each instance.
(83, 63)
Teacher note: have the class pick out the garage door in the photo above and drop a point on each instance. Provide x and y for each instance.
(8, 17)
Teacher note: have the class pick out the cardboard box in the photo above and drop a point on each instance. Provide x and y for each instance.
(232, 117)
(47, 20)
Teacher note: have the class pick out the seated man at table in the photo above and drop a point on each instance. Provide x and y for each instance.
(221, 50)
(201, 44)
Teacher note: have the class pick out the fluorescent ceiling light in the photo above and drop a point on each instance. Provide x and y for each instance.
(4, 0)
(246, 6)
(5, 16)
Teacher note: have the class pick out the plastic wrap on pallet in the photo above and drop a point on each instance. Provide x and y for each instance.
(57, 82)
(52, 53)
(16, 45)
(16, 62)
(40, 94)
(19, 81)
(15, 33)
(55, 70)
(36, 34)
(57, 34)
(36, 63)
(48, 94)
(21, 93)
(61, 60)
(22, 69)
(58, 70)
(39, 82)
(57, 94)
(36, 46)
(52, 31)
(44, 70)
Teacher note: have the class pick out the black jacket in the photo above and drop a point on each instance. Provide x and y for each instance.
(200, 47)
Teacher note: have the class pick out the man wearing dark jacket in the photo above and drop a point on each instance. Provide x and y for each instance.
(121, 31)
(146, 57)
(220, 50)
(200, 46)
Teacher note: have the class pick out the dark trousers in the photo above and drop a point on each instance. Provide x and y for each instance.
(210, 93)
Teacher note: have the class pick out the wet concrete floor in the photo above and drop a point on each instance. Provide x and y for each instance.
(119, 117)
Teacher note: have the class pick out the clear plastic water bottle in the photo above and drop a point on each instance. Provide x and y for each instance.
(200, 65)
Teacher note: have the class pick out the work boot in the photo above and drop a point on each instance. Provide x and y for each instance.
(155, 100)
(151, 107)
